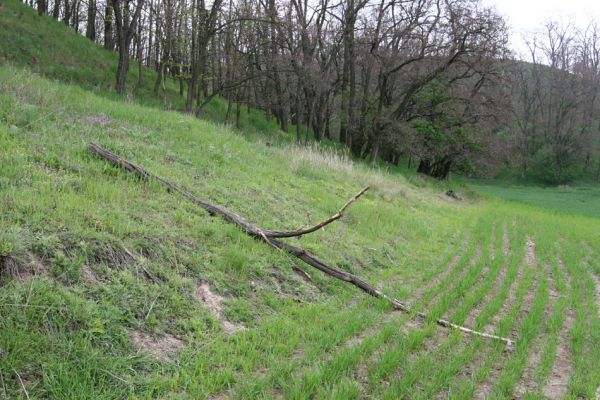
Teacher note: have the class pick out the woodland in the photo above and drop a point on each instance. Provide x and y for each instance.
(430, 83)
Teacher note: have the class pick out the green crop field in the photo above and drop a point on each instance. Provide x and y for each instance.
(112, 287)
(579, 200)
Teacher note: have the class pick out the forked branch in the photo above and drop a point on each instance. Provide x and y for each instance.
(322, 224)
(269, 237)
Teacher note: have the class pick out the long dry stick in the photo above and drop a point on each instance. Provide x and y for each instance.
(269, 238)
(304, 231)
(22, 384)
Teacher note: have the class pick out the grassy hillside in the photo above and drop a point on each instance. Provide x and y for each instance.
(111, 287)
(47, 47)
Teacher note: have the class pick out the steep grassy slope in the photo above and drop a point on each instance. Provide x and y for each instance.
(111, 287)
(50, 48)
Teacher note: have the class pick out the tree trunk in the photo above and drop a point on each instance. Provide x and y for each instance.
(298, 114)
(90, 30)
(42, 7)
(375, 152)
(238, 112)
(150, 33)
(109, 43)
(139, 54)
(75, 15)
(122, 67)
(67, 13)
(56, 9)
(160, 76)
(424, 167)
(228, 112)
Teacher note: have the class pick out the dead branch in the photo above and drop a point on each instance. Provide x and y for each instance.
(22, 384)
(298, 252)
(302, 273)
(304, 231)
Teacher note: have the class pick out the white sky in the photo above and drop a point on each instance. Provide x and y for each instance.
(526, 16)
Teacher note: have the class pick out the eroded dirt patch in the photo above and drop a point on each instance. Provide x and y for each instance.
(89, 275)
(163, 348)
(530, 258)
(214, 302)
(99, 119)
(506, 241)
(23, 267)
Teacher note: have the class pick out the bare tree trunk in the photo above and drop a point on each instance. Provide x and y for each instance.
(90, 30)
(238, 112)
(298, 113)
(75, 15)
(56, 9)
(126, 27)
(139, 54)
(42, 7)
(122, 67)
(109, 43)
(67, 12)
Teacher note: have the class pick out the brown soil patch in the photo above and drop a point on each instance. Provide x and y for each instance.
(493, 243)
(214, 302)
(100, 119)
(506, 241)
(9, 267)
(162, 348)
(219, 396)
(89, 275)
(22, 268)
(530, 258)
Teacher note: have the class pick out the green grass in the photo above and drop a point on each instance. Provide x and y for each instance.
(582, 199)
(47, 47)
(72, 298)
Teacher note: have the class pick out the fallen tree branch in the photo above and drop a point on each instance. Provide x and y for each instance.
(300, 253)
(304, 231)
(217, 210)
